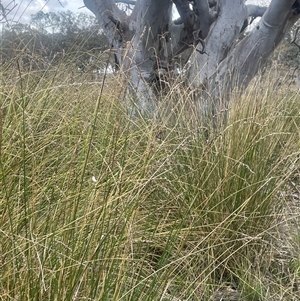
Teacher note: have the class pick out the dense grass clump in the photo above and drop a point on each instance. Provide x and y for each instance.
(96, 205)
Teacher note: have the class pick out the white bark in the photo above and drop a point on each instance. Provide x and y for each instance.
(229, 64)
(250, 54)
(138, 43)
(219, 41)
(147, 51)
(147, 42)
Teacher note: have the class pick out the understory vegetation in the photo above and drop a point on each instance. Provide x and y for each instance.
(98, 205)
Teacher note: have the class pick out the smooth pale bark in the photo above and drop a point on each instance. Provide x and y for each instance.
(147, 51)
(148, 43)
(229, 64)
(138, 42)
(243, 63)
(219, 41)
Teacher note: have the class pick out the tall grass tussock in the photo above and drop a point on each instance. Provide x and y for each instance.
(96, 205)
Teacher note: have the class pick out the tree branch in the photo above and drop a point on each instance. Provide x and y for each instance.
(255, 11)
(219, 41)
(201, 8)
(246, 59)
(274, 16)
(151, 19)
(196, 24)
(104, 8)
(114, 23)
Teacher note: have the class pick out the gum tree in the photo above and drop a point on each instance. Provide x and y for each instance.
(209, 35)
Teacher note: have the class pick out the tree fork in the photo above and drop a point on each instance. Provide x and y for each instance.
(208, 35)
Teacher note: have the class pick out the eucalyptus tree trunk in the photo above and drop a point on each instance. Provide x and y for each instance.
(228, 64)
(148, 44)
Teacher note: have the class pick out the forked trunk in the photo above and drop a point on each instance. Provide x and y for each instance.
(210, 34)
